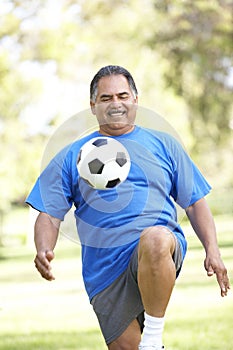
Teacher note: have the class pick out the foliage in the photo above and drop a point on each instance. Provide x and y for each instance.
(195, 39)
(44, 44)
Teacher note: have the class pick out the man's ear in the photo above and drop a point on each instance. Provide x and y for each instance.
(92, 104)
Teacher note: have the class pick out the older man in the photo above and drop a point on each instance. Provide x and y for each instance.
(131, 264)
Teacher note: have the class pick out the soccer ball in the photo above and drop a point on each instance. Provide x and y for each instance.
(103, 163)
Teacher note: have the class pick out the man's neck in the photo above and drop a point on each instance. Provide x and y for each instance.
(116, 132)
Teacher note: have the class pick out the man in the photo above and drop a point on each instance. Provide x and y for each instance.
(131, 265)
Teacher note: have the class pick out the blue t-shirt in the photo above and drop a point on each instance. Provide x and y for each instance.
(110, 222)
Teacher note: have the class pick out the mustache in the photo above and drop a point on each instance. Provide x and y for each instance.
(116, 111)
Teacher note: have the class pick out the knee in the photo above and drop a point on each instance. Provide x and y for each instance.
(129, 340)
(124, 345)
(156, 242)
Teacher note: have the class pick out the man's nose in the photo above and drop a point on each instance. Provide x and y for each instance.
(116, 100)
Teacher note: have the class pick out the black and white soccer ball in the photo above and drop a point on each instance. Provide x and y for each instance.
(103, 163)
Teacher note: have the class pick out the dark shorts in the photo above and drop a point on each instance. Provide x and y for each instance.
(120, 303)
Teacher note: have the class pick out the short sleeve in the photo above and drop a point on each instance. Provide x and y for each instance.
(52, 191)
(188, 184)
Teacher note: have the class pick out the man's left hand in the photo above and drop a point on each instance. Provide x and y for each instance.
(215, 265)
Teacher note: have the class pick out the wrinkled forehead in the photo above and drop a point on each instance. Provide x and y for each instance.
(113, 85)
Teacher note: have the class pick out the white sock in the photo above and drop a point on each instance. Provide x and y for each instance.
(153, 331)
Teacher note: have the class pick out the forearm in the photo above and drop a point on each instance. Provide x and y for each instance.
(202, 221)
(203, 224)
(46, 232)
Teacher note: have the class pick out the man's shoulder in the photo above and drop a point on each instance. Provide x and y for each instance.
(159, 136)
(162, 141)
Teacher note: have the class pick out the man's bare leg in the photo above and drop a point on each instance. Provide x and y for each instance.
(129, 340)
(156, 269)
(156, 278)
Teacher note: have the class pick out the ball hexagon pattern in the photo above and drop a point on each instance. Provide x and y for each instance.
(103, 162)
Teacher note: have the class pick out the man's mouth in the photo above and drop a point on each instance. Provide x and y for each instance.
(116, 113)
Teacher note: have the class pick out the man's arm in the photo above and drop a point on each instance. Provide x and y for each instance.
(46, 234)
(202, 222)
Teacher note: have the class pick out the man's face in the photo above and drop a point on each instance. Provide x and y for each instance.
(115, 106)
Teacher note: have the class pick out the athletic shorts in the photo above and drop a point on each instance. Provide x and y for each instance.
(120, 303)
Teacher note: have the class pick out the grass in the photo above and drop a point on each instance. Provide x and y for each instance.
(40, 315)
(53, 341)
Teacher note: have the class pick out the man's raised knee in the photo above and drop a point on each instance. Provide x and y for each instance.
(156, 241)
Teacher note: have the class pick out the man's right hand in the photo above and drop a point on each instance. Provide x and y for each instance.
(43, 265)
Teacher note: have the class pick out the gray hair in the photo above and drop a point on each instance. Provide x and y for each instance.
(111, 70)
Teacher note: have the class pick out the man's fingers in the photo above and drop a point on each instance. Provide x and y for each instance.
(50, 255)
(42, 263)
(223, 282)
(210, 271)
(220, 270)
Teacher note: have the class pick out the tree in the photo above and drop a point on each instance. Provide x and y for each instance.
(15, 93)
(195, 40)
(192, 40)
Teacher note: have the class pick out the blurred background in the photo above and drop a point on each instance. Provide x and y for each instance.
(179, 53)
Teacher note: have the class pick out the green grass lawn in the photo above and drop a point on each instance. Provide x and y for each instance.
(40, 315)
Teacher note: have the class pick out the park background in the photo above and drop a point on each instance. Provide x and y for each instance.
(180, 54)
